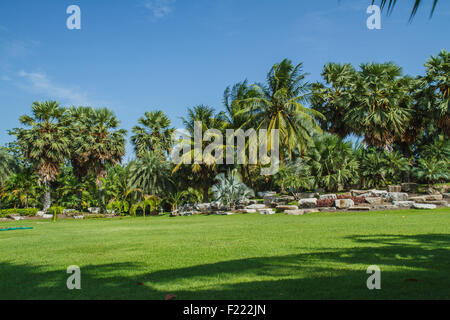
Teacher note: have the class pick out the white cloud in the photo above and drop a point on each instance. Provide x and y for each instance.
(159, 8)
(38, 82)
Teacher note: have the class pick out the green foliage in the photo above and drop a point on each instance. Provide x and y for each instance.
(229, 189)
(432, 170)
(55, 211)
(23, 212)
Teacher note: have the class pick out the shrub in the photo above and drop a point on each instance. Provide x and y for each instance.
(23, 212)
(325, 203)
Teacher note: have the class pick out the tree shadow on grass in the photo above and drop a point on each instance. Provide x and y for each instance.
(412, 267)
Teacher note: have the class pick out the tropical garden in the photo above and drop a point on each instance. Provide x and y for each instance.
(360, 127)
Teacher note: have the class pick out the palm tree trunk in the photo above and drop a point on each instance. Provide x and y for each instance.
(47, 197)
(205, 193)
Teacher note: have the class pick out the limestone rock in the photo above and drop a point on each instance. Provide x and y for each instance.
(434, 197)
(394, 188)
(403, 204)
(327, 209)
(285, 207)
(343, 203)
(424, 206)
(374, 200)
(328, 196)
(256, 206)
(409, 187)
(266, 211)
(396, 196)
(297, 212)
(359, 208)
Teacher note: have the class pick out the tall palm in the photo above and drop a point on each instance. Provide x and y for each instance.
(278, 105)
(382, 108)
(46, 143)
(438, 80)
(105, 144)
(202, 174)
(153, 133)
(334, 98)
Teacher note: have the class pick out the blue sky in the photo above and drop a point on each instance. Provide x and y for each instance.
(135, 56)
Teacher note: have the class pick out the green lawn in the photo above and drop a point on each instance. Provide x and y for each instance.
(316, 256)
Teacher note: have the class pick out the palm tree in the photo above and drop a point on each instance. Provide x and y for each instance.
(335, 99)
(46, 144)
(230, 189)
(154, 133)
(438, 81)
(150, 173)
(278, 105)
(382, 107)
(104, 145)
(7, 165)
(203, 173)
(432, 170)
(391, 4)
(332, 162)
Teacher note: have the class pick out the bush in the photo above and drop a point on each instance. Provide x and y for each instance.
(23, 212)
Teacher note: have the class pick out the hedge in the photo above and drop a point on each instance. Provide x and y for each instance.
(22, 212)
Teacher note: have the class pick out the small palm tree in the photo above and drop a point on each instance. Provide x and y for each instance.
(432, 170)
(7, 165)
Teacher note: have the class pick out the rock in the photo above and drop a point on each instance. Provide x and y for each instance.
(297, 212)
(374, 200)
(78, 217)
(356, 193)
(40, 213)
(434, 197)
(396, 196)
(328, 196)
(307, 203)
(94, 210)
(385, 207)
(247, 210)
(68, 212)
(285, 207)
(437, 202)
(203, 207)
(327, 209)
(446, 195)
(419, 199)
(256, 206)
(224, 213)
(343, 203)
(394, 188)
(266, 211)
(424, 206)
(269, 200)
(378, 193)
(266, 193)
(359, 208)
(409, 187)
(15, 217)
(403, 204)
(305, 211)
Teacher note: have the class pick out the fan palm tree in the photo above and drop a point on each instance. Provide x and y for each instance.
(154, 133)
(278, 105)
(229, 189)
(334, 99)
(438, 80)
(46, 143)
(382, 108)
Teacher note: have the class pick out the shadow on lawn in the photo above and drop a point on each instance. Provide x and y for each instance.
(417, 267)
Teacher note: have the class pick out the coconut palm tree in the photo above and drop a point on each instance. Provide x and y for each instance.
(154, 132)
(46, 143)
(202, 172)
(335, 98)
(391, 4)
(382, 107)
(278, 105)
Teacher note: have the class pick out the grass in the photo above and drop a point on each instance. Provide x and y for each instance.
(251, 256)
